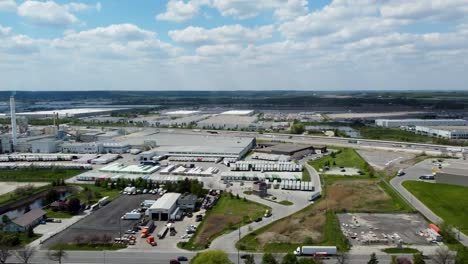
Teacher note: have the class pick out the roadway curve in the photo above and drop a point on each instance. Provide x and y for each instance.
(412, 174)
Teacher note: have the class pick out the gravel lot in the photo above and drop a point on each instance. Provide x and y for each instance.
(406, 227)
(103, 221)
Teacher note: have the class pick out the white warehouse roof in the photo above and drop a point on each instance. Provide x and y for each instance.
(166, 201)
(182, 112)
(238, 112)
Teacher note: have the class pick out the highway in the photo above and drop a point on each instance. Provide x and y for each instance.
(412, 174)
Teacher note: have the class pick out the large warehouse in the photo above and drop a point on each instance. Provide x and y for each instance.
(448, 132)
(164, 207)
(456, 173)
(419, 122)
(191, 145)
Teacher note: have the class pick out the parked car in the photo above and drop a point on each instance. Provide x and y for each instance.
(258, 219)
(182, 258)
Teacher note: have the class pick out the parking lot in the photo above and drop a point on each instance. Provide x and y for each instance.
(386, 229)
(105, 221)
(382, 159)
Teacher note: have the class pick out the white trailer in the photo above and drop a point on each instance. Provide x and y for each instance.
(315, 250)
(103, 201)
(132, 216)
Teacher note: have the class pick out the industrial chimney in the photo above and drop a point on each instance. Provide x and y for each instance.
(13, 120)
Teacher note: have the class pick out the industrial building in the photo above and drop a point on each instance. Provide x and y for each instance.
(447, 132)
(293, 150)
(164, 207)
(420, 122)
(239, 112)
(22, 223)
(74, 112)
(229, 121)
(82, 148)
(188, 202)
(456, 173)
(189, 145)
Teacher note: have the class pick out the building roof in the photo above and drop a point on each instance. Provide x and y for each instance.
(29, 217)
(166, 201)
(189, 197)
(450, 128)
(182, 112)
(238, 112)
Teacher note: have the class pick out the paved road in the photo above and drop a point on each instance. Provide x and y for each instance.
(412, 174)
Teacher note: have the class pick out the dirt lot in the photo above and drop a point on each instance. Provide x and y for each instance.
(388, 228)
(104, 221)
(351, 195)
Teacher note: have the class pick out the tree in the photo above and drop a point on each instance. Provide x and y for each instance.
(211, 257)
(4, 255)
(342, 258)
(30, 232)
(373, 259)
(268, 258)
(74, 205)
(249, 259)
(394, 260)
(418, 259)
(51, 196)
(6, 219)
(25, 254)
(462, 255)
(298, 128)
(443, 255)
(289, 258)
(57, 255)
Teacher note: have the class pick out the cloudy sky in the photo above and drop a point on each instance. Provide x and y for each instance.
(234, 44)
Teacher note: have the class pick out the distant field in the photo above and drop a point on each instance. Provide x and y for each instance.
(392, 134)
(345, 157)
(450, 202)
(37, 175)
(226, 215)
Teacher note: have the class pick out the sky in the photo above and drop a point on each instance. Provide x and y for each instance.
(234, 45)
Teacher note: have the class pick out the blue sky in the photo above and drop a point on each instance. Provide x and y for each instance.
(233, 44)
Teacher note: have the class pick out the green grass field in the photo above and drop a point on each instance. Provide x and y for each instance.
(225, 216)
(37, 175)
(58, 214)
(12, 196)
(305, 175)
(98, 192)
(345, 157)
(447, 201)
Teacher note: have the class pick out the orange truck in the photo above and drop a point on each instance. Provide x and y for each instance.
(151, 241)
(144, 232)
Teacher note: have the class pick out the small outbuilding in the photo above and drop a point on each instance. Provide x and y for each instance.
(22, 223)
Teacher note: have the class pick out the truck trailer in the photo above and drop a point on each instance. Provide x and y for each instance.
(315, 250)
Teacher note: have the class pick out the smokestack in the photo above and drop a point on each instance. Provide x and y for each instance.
(13, 119)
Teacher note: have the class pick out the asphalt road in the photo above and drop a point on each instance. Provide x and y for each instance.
(412, 174)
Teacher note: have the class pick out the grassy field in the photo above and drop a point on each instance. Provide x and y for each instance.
(305, 175)
(88, 247)
(12, 196)
(37, 175)
(317, 223)
(344, 157)
(97, 193)
(447, 201)
(52, 214)
(225, 216)
(392, 134)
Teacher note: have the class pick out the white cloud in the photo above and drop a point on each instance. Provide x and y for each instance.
(178, 11)
(79, 7)
(7, 5)
(219, 50)
(50, 13)
(424, 9)
(291, 9)
(243, 9)
(4, 30)
(224, 34)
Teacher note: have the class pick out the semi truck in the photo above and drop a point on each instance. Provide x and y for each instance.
(315, 250)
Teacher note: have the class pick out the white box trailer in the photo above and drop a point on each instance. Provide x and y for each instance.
(315, 250)
(132, 216)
